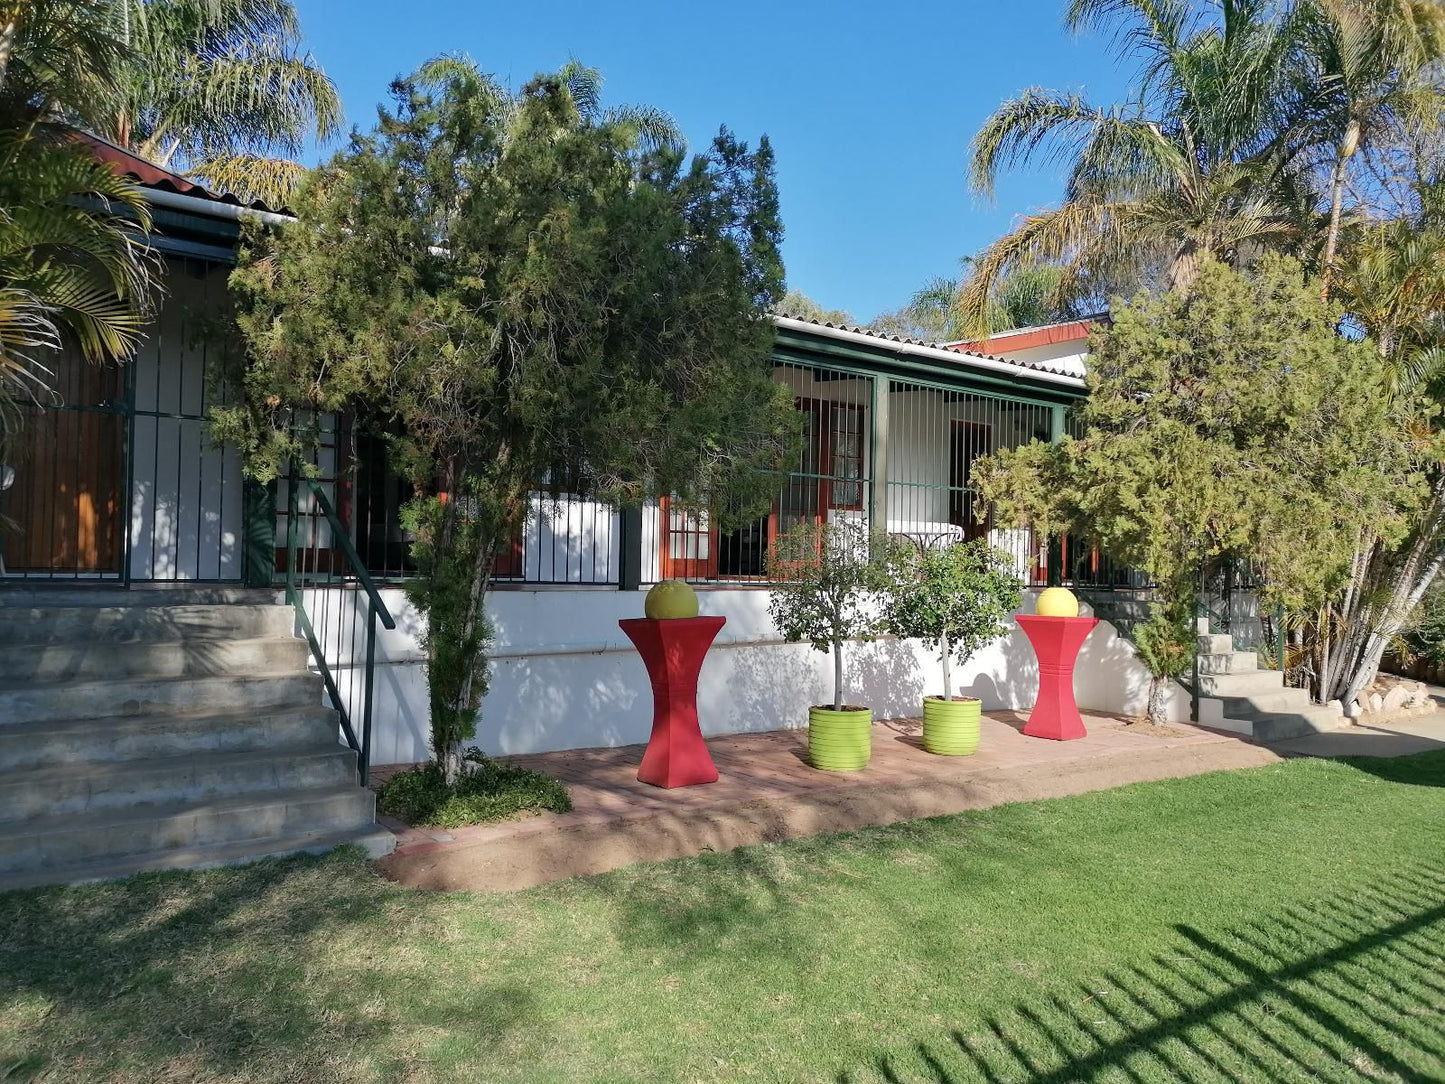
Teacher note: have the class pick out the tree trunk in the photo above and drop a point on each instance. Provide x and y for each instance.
(7, 45)
(1360, 647)
(1158, 712)
(1337, 201)
(1184, 268)
(837, 675)
(945, 648)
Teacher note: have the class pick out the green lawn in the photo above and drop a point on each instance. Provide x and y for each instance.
(1281, 923)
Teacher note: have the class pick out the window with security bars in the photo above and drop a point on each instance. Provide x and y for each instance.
(935, 437)
(828, 481)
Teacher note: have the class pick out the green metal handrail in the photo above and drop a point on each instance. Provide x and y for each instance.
(376, 608)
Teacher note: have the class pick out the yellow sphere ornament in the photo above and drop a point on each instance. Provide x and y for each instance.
(670, 599)
(1057, 602)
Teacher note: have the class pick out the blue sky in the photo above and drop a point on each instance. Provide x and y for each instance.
(869, 106)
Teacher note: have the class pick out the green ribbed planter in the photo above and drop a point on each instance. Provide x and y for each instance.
(951, 727)
(840, 741)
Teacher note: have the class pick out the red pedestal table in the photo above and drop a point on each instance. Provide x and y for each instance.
(673, 650)
(1056, 642)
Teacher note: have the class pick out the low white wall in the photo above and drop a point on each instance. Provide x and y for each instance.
(564, 676)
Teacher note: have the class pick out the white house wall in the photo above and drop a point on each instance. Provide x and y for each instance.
(564, 676)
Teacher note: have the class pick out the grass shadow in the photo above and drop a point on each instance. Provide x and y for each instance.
(212, 975)
(1346, 990)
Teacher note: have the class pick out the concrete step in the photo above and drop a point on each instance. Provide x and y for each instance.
(57, 842)
(1266, 703)
(1282, 726)
(52, 594)
(93, 624)
(1218, 643)
(84, 741)
(156, 696)
(83, 661)
(376, 842)
(1236, 662)
(1245, 683)
(101, 789)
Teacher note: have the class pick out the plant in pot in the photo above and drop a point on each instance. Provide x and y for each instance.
(960, 597)
(825, 583)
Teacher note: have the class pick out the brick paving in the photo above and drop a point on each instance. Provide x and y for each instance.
(767, 790)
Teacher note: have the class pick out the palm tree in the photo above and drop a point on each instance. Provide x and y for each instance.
(71, 265)
(1025, 296)
(1371, 70)
(219, 89)
(1390, 279)
(1205, 160)
(652, 128)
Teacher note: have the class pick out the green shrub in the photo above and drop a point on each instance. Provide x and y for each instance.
(488, 791)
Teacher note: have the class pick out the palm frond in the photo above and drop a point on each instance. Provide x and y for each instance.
(1058, 124)
(653, 128)
(1090, 241)
(250, 177)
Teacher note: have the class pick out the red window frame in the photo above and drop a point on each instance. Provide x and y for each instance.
(822, 481)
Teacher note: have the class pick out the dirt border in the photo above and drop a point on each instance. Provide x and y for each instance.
(541, 852)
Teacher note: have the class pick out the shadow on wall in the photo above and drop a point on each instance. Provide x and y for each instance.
(1109, 675)
(1346, 990)
(400, 723)
(750, 689)
(565, 702)
(889, 676)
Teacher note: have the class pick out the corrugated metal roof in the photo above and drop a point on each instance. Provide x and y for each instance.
(149, 175)
(939, 350)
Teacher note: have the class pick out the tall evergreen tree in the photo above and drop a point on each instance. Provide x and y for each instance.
(518, 289)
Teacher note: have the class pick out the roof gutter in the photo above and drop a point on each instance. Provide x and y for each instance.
(233, 212)
(932, 353)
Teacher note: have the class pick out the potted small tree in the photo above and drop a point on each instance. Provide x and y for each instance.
(960, 597)
(825, 582)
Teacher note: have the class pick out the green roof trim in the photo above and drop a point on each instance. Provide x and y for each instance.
(800, 347)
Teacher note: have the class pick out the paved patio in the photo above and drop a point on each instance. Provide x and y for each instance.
(768, 792)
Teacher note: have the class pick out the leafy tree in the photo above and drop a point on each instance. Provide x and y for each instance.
(1023, 297)
(1230, 421)
(454, 278)
(1204, 161)
(1165, 642)
(459, 74)
(1391, 281)
(826, 578)
(959, 596)
(798, 304)
(71, 267)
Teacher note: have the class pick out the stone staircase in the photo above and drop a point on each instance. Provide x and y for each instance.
(156, 729)
(1236, 695)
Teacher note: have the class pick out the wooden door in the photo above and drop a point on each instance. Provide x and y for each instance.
(63, 511)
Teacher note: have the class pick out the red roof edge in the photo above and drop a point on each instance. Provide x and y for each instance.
(149, 175)
(1028, 338)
